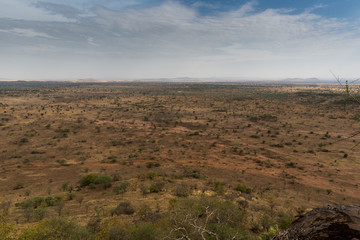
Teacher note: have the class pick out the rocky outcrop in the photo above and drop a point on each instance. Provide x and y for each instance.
(331, 222)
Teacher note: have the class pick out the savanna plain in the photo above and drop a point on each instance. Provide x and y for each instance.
(172, 160)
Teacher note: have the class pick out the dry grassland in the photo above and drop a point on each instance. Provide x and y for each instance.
(292, 145)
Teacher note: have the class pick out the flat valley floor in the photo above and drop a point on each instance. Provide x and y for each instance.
(292, 146)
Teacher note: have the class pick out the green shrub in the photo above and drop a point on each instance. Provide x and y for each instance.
(143, 231)
(143, 189)
(291, 165)
(94, 223)
(149, 164)
(105, 181)
(192, 173)
(93, 179)
(121, 187)
(269, 235)
(242, 188)
(123, 208)
(55, 228)
(284, 220)
(87, 180)
(214, 218)
(156, 187)
(52, 201)
(7, 230)
(40, 212)
(219, 187)
(70, 195)
(38, 201)
(113, 229)
(182, 190)
(65, 187)
(151, 175)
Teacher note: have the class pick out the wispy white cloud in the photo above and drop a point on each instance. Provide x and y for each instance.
(26, 10)
(85, 5)
(202, 4)
(313, 8)
(23, 32)
(171, 39)
(91, 41)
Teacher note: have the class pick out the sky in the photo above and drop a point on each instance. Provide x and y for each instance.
(147, 39)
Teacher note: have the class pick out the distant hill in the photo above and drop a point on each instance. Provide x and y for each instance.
(187, 80)
(86, 80)
(305, 80)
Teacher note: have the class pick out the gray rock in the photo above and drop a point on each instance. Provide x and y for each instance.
(331, 222)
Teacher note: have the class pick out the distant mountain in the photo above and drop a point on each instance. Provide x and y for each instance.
(189, 80)
(86, 80)
(7, 80)
(304, 80)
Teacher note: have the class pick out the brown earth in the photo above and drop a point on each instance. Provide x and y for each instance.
(293, 145)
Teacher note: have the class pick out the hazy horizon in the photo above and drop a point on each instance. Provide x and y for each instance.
(138, 39)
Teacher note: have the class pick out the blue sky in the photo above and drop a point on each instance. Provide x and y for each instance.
(134, 39)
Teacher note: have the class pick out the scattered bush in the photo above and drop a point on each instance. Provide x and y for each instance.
(55, 228)
(87, 180)
(156, 187)
(113, 229)
(151, 164)
(143, 231)
(207, 218)
(7, 230)
(192, 173)
(242, 188)
(105, 181)
(70, 196)
(123, 208)
(93, 179)
(291, 165)
(284, 220)
(38, 201)
(151, 175)
(182, 190)
(143, 189)
(121, 188)
(219, 187)
(19, 185)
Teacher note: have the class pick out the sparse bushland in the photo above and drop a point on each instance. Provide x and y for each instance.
(207, 218)
(173, 141)
(201, 217)
(38, 201)
(55, 228)
(7, 228)
(93, 179)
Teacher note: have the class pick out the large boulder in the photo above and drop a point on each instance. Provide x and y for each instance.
(331, 222)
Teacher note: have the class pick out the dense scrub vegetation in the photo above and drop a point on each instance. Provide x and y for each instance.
(200, 217)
